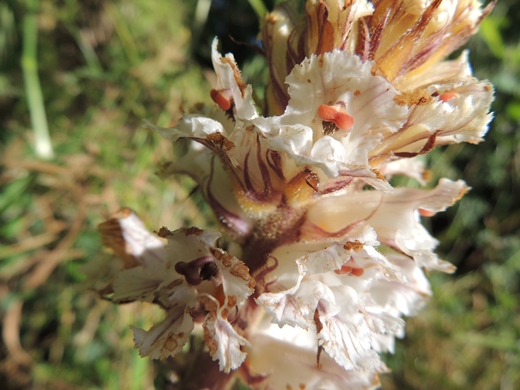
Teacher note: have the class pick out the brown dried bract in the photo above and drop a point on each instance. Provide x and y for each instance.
(164, 232)
(217, 139)
(325, 30)
(192, 231)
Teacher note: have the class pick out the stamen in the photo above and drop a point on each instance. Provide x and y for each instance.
(357, 271)
(337, 115)
(223, 98)
(329, 128)
(345, 269)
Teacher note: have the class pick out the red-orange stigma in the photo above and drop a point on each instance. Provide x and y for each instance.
(348, 269)
(223, 98)
(448, 96)
(337, 115)
(427, 213)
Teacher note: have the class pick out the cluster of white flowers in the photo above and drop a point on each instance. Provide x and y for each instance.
(327, 257)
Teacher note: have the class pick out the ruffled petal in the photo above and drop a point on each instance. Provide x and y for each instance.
(394, 217)
(405, 297)
(143, 283)
(452, 112)
(167, 338)
(236, 281)
(333, 90)
(196, 127)
(336, 254)
(345, 334)
(195, 247)
(332, 297)
(296, 306)
(286, 358)
(222, 339)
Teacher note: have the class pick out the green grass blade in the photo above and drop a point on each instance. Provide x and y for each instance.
(43, 146)
(259, 8)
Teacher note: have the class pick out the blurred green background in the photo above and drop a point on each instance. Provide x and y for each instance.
(103, 67)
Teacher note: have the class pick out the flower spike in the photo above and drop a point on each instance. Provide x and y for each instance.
(322, 257)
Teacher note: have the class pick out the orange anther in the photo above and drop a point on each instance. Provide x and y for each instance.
(426, 213)
(223, 98)
(448, 96)
(337, 115)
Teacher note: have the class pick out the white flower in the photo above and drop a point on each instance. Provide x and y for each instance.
(341, 123)
(338, 296)
(361, 106)
(286, 358)
(185, 277)
(394, 216)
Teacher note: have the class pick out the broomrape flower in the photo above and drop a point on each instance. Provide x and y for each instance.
(323, 256)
